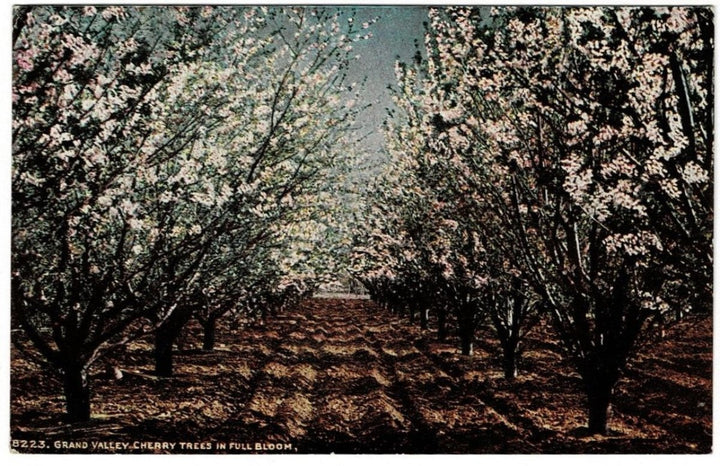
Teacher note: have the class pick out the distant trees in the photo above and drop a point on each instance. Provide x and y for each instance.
(575, 144)
(159, 156)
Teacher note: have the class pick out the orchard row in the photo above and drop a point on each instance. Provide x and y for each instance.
(550, 163)
(171, 163)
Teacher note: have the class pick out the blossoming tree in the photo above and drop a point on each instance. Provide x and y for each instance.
(277, 149)
(441, 258)
(151, 150)
(587, 132)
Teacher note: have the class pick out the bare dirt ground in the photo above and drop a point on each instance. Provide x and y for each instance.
(341, 375)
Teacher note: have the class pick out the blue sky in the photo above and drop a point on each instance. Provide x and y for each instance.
(394, 36)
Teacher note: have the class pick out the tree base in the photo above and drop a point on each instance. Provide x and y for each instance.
(77, 396)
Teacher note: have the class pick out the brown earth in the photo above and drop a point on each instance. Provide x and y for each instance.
(340, 375)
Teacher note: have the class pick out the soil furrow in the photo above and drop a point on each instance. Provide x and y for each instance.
(345, 376)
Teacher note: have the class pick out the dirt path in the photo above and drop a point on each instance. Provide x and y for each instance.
(341, 375)
(343, 380)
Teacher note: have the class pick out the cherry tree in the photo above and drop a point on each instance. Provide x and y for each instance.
(86, 148)
(588, 133)
(287, 141)
(145, 138)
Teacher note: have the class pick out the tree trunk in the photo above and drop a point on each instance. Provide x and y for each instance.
(77, 393)
(598, 399)
(424, 318)
(466, 344)
(411, 313)
(509, 362)
(209, 334)
(442, 325)
(165, 337)
(467, 335)
(396, 308)
(466, 324)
